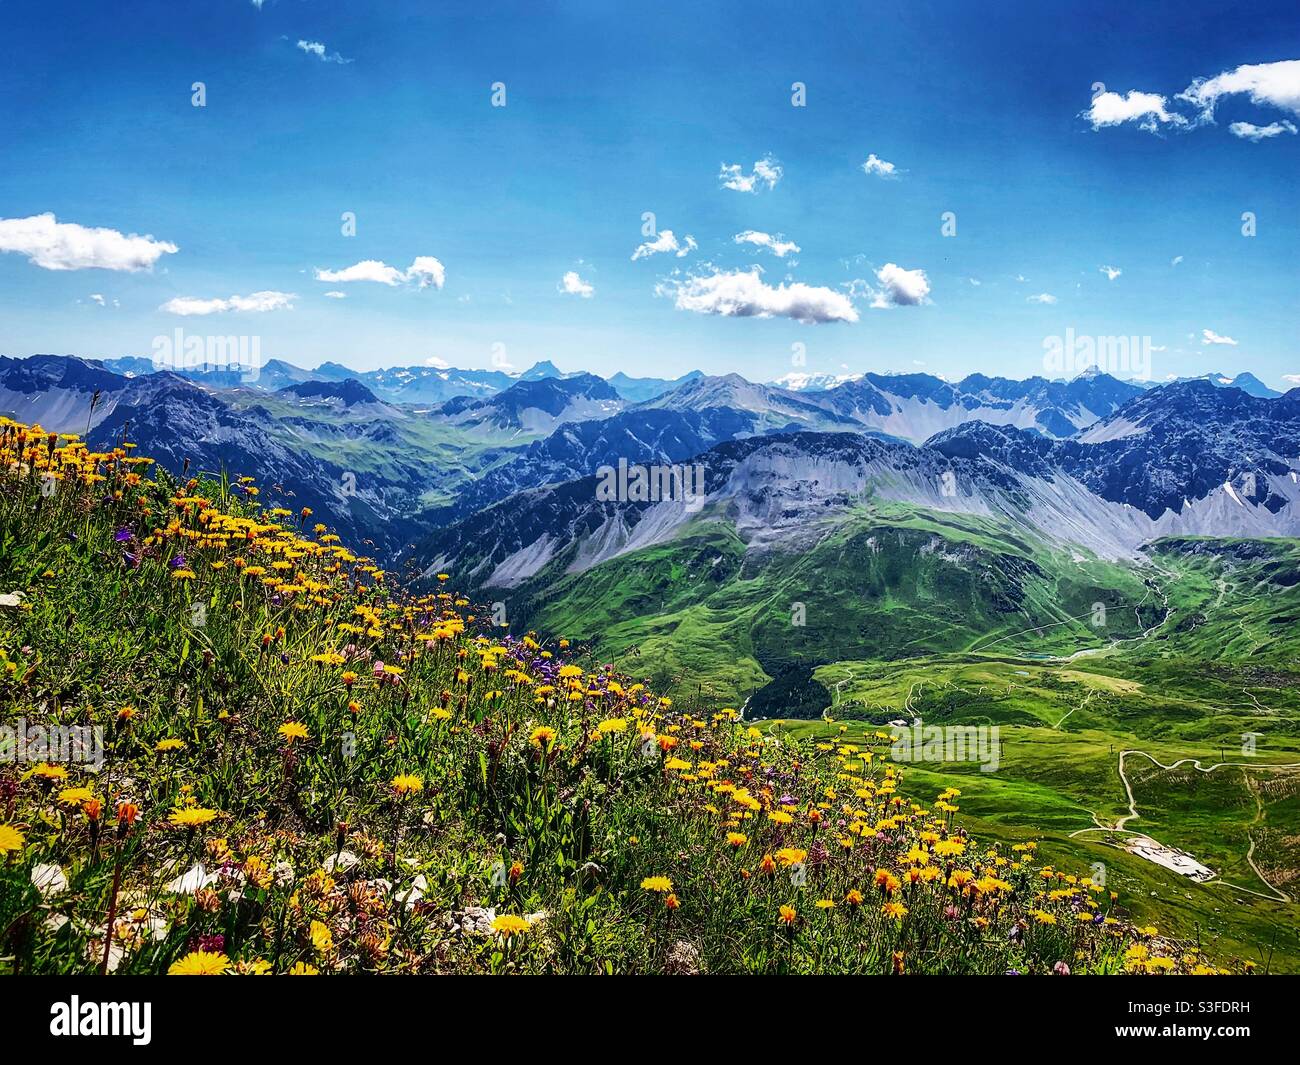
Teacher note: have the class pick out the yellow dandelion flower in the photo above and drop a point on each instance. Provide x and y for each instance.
(11, 840)
(200, 963)
(509, 925)
(191, 817)
(407, 784)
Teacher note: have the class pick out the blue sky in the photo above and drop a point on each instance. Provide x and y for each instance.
(616, 110)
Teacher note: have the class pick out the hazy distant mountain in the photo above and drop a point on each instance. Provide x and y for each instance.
(348, 393)
(274, 374)
(1247, 382)
(773, 408)
(916, 406)
(811, 382)
(640, 389)
(535, 406)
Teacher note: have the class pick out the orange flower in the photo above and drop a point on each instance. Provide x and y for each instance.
(789, 915)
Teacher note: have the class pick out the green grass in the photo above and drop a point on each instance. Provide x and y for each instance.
(1062, 726)
(963, 621)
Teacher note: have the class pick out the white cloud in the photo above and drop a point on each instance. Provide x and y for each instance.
(778, 247)
(975, 281)
(257, 301)
(1042, 297)
(1175, 260)
(1268, 84)
(879, 167)
(1249, 131)
(424, 270)
(765, 173)
(317, 49)
(665, 241)
(899, 287)
(744, 294)
(1111, 272)
(1150, 110)
(366, 270)
(571, 284)
(98, 298)
(55, 245)
(336, 295)
(1209, 336)
(1291, 378)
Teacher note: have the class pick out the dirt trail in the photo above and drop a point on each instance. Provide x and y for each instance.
(1275, 893)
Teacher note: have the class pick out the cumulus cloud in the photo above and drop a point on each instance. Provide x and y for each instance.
(1150, 110)
(1111, 272)
(1209, 336)
(898, 287)
(318, 49)
(424, 271)
(1267, 84)
(55, 245)
(1042, 297)
(879, 167)
(257, 301)
(764, 174)
(775, 244)
(571, 284)
(366, 270)
(1253, 133)
(665, 241)
(744, 294)
(98, 298)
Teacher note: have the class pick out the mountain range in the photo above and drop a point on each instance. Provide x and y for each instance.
(902, 511)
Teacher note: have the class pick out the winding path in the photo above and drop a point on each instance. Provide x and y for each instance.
(1277, 894)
